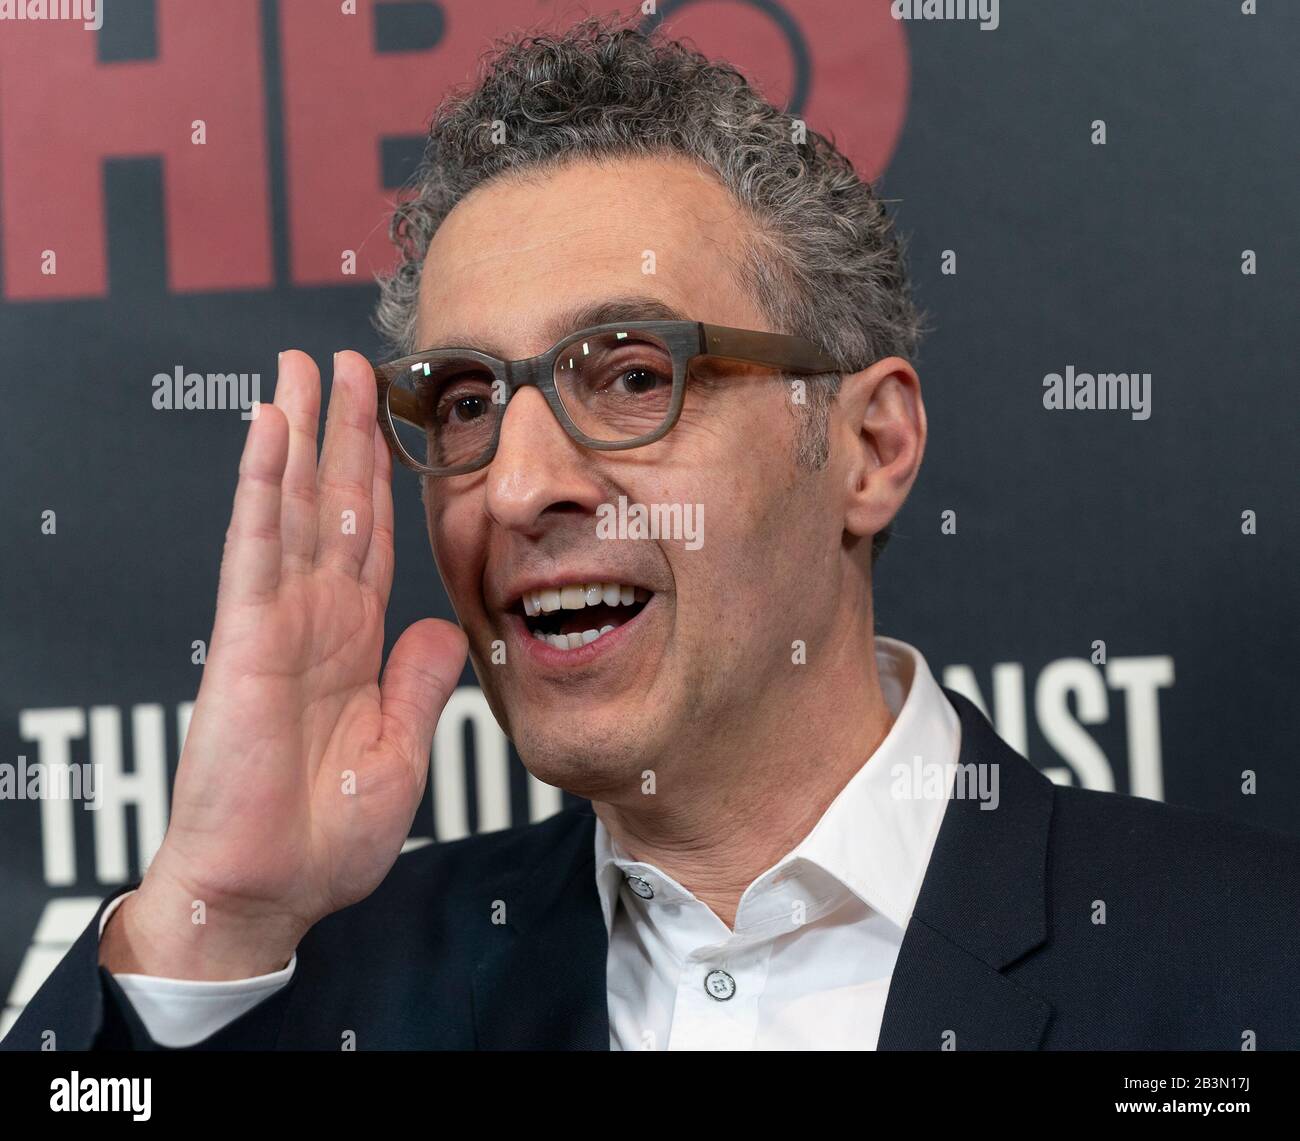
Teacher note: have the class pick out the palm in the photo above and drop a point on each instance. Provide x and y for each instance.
(301, 773)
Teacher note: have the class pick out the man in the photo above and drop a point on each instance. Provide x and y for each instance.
(714, 324)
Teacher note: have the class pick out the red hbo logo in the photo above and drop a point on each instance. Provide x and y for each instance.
(341, 90)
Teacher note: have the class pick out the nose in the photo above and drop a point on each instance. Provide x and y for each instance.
(538, 471)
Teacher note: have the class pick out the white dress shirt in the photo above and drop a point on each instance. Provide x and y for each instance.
(181, 1012)
(809, 963)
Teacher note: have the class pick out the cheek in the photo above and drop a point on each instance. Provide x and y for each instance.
(734, 557)
(767, 537)
(741, 480)
(453, 536)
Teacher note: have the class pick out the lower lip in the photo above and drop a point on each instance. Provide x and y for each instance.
(546, 655)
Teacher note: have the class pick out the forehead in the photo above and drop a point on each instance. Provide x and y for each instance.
(520, 259)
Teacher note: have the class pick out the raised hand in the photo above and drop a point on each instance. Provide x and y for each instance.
(301, 771)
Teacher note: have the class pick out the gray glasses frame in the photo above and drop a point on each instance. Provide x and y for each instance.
(687, 341)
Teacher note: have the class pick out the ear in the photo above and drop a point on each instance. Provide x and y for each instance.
(884, 419)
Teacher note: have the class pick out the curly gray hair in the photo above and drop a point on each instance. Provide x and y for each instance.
(821, 258)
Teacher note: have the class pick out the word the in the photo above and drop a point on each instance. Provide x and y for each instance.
(214, 390)
(1104, 392)
(676, 521)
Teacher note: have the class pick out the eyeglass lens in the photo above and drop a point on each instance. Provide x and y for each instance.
(615, 387)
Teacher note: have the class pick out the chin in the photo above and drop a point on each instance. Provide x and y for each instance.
(586, 762)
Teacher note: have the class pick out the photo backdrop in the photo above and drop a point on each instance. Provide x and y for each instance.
(1100, 187)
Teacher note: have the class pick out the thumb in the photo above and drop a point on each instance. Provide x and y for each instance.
(421, 673)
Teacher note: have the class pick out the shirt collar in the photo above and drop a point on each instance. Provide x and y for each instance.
(876, 838)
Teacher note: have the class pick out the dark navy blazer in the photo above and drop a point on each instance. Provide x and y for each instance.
(1200, 946)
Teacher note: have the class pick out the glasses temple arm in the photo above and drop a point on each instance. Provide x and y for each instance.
(780, 350)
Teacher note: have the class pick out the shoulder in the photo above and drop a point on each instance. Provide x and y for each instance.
(1166, 853)
(1174, 864)
(399, 964)
(1128, 831)
(1168, 927)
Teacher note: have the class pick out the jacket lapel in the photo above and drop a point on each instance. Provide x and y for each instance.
(541, 985)
(981, 907)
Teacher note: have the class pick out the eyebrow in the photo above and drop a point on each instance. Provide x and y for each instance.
(610, 311)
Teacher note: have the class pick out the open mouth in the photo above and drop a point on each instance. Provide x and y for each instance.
(578, 614)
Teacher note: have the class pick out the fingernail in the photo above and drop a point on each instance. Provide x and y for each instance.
(336, 360)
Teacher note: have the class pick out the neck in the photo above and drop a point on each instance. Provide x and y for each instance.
(765, 784)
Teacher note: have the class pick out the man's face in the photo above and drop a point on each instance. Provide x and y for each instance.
(680, 675)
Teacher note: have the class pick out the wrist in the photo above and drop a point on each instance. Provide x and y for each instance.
(166, 931)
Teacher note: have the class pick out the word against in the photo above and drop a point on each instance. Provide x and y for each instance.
(213, 391)
(1104, 392)
(680, 522)
(1077, 681)
(89, 12)
(102, 1095)
(986, 11)
(41, 782)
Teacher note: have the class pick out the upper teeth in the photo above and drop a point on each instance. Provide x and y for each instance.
(579, 595)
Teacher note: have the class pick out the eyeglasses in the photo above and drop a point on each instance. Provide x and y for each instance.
(612, 387)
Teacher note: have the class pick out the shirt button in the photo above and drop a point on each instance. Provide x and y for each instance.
(719, 985)
(641, 887)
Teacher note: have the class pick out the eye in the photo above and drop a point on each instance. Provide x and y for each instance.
(462, 409)
(459, 400)
(638, 381)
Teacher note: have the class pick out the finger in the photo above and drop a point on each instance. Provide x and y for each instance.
(297, 395)
(420, 677)
(250, 565)
(346, 473)
(377, 571)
